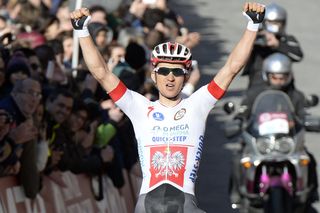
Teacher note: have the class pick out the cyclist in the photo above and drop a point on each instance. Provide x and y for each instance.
(169, 131)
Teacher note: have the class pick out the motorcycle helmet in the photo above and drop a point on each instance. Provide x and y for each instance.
(280, 66)
(275, 19)
(171, 52)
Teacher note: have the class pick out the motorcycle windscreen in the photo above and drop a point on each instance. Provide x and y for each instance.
(272, 113)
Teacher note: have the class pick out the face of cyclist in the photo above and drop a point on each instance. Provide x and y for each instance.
(169, 79)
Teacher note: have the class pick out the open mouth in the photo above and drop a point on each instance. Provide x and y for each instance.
(170, 85)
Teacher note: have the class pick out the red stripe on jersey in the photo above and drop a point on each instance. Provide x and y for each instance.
(118, 92)
(215, 90)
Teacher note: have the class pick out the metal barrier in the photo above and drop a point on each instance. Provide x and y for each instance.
(69, 193)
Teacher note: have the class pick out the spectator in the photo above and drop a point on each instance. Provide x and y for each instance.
(58, 108)
(101, 34)
(98, 14)
(50, 27)
(63, 16)
(66, 39)
(35, 66)
(17, 69)
(21, 105)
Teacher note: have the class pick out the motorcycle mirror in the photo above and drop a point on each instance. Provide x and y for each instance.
(232, 128)
(312, 100)
(312, 124)
(229, 107)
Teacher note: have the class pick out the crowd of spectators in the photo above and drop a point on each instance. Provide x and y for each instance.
(55, 117)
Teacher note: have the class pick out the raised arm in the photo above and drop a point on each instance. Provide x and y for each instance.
(240, 54)
(96, 64)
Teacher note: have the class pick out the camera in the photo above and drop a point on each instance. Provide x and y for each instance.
(261, 40)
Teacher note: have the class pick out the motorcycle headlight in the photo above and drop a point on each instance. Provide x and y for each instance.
(284, 145)
(264, 145)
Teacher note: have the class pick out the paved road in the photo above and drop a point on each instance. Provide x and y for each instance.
(221, 24)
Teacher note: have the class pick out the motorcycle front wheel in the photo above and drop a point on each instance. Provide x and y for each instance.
(279, 201)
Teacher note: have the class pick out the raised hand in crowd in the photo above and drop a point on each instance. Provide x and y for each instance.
(114, 112)
(24, 132)
(88, 136)
(107, 154)
(12, 169)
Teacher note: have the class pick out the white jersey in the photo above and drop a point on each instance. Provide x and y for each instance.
(170, 139)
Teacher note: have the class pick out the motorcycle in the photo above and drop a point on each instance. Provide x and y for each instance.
(272, 166)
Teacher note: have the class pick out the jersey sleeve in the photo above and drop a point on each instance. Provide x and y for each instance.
(131, 103)
(215, 90)
(206, 97)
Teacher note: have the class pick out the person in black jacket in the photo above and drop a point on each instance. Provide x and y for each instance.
(277, 74)
(272, 38)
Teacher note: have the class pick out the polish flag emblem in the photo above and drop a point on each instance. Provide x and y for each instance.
(168, 163)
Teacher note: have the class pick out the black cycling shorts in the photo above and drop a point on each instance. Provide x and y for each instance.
(167, 199)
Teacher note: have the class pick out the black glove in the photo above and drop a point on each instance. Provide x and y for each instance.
(81, 26)
(255, 17)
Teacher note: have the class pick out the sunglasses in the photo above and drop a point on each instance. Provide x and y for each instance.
(166, 71)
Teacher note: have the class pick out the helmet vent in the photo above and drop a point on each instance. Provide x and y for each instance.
(165, 49)
(171, 52)
(171, 49)
(157, 50)
(186, 52)
(179, 49)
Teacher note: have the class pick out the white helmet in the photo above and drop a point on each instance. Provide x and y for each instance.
(275, 13)
(277, 63)
(171, 52)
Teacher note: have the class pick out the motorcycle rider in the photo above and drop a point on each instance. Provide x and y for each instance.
(278, 75)
(272, 38)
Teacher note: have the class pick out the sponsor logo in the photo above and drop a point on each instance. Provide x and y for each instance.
(170, 131)
(150, 109)
(193, 174)
(158, 116)
(182, 127)
(168, 163)
(77, 23)
(180, 114)
(169, 139)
